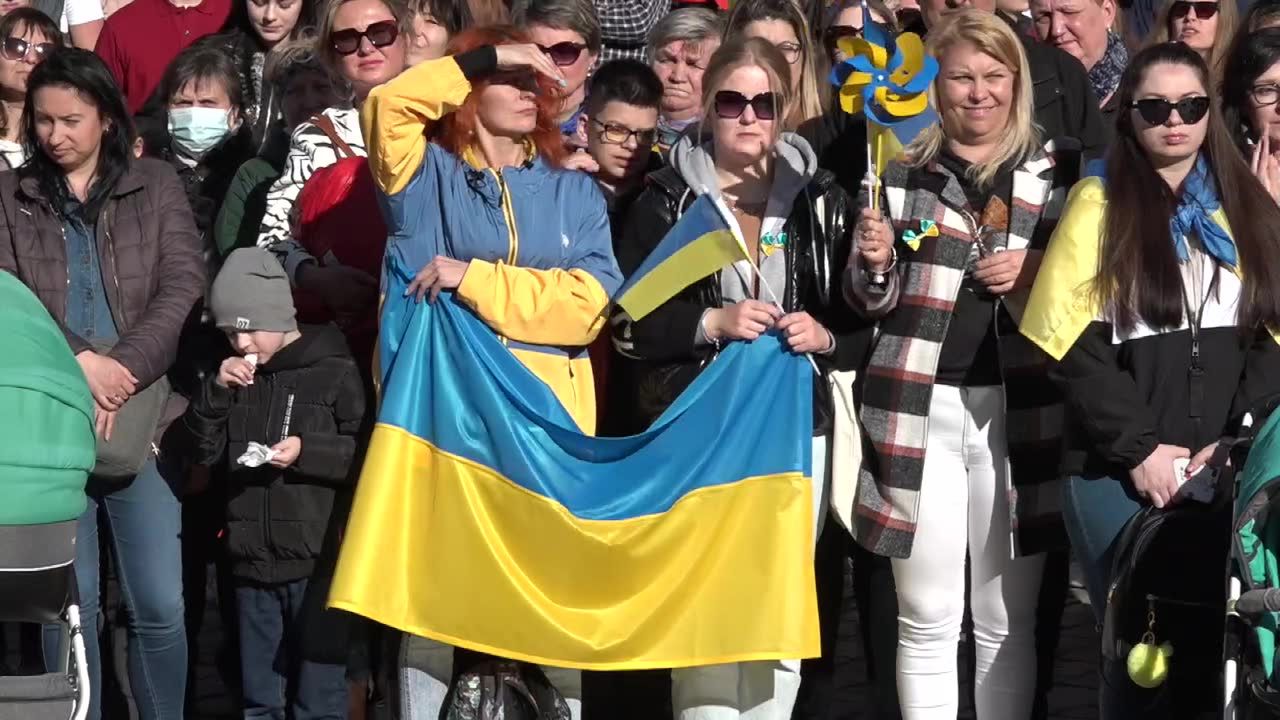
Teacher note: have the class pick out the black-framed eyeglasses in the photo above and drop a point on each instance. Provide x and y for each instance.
(1204, 9)
(379, 35)
(790, 52)
(15, 48)
(832, 36)
(564, 53)
(730, 104)
(616, 134)
(1264, 95)
(1156, 111)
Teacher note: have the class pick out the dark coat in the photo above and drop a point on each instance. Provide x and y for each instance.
(150, 253)
(1065, 106)
(278, 521)
(664, 341)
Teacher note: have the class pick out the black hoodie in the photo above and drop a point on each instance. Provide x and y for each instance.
(278, 521)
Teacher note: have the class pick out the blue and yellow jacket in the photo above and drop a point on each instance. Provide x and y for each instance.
(537, 238)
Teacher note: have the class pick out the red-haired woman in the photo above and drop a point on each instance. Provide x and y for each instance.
(478, 202)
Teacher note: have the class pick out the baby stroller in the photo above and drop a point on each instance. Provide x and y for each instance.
(1251, 684)
(47, 450)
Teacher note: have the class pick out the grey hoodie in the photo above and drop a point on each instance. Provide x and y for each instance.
(795, 165)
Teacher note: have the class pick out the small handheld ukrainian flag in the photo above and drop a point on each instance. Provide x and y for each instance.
(700, 243)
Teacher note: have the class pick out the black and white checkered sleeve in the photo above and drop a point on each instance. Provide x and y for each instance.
(625, 26)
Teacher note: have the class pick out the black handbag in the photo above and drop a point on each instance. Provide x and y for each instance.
(497, 689)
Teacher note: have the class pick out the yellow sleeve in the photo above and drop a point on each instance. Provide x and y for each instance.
(396, 115)
(547, 307)
(1062, 302)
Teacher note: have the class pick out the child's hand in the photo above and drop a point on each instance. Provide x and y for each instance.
(287, 451)
(235, 371)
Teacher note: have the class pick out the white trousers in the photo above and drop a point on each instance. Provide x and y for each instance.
(964, 506)
(426, 667)
(764, 690)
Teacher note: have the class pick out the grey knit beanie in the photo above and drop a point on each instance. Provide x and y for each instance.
(252, 293)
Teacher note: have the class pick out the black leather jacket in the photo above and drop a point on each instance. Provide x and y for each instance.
(818, 229)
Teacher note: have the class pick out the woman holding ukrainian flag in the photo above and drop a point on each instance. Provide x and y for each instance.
(465, 150)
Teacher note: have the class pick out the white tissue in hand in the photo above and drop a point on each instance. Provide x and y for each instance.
(252, 358)
(256, 455)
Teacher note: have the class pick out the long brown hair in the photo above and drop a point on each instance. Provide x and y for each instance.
(1228, 17)
(456, 131)
(1138, 276)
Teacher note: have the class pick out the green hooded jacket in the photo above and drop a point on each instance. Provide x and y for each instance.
(47, 443)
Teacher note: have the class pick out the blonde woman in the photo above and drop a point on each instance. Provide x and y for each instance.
(782, 23)
(1205, 26)
(958, 408)
(795, 222)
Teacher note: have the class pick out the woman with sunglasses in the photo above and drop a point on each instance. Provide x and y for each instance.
(1156, 295)
(783, 23)
(1251, 103)
(967, 441)
(460, 146)
(1205, 26)
(843, 19)
(679, 47)
(363, 42)
(568, 33)
(1085, 29)
(28, 36)
(794, 219)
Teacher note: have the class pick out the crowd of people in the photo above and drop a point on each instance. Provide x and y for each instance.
(1066, 285)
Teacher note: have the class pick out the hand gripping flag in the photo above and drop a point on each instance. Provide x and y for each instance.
(484, 518)
(890, 91)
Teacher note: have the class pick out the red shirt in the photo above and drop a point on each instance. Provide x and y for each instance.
(139, 41)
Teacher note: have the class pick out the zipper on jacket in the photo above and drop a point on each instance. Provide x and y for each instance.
(105, 227)
(508, 213)
(268, 387)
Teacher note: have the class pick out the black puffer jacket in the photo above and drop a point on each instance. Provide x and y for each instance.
(819, 236)
(279, 521)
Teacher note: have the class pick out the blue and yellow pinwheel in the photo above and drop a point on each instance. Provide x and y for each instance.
(889, 89)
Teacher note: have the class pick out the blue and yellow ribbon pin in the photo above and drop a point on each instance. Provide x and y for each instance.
(771, 243)
(928, 228)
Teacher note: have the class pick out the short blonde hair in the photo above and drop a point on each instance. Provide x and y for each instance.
(329, 14)
(811, 97)
(992, 36)
(749, 52)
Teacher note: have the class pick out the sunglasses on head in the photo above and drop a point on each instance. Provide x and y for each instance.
(563, 53)
(1204, 9)
(17, 49)
(1156, 111)
(730, 104)
(379, 35)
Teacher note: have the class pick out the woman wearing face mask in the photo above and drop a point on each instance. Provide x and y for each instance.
(27, 37)
(1084, 28)
(1205, 26)
(1174, 248)
(794, 219)
(968, 441)
(679, 47)
(1251, 103)
(121, 304)
(492, 162)
(365, 43)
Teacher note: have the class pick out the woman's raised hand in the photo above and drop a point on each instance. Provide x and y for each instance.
(528, 56)
(1266, 167)
(875, 240)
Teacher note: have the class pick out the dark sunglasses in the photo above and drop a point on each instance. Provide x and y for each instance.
(17, 49)
(616, 134)
(730, 104)
(1156, 110)
(563, 53)
(526, 81)
(379, 35)
(1204, 9)
(834, 34)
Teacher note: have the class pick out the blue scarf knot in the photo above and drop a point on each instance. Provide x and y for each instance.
(1195, 214)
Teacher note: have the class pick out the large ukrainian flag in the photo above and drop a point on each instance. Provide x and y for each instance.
(485, 519)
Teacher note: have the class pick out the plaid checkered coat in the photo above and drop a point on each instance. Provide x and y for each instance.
(898, 382)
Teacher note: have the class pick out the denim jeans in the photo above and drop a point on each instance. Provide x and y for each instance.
(274, 670)
(145, 522)
(1095, 510)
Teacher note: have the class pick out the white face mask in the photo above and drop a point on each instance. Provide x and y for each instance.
(197, 130)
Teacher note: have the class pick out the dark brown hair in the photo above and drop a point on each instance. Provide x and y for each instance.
(1138, 276)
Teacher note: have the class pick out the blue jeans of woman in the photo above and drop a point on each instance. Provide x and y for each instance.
(145, 523)
(1095, 510)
